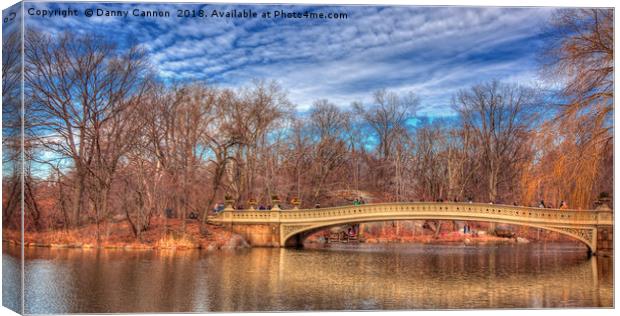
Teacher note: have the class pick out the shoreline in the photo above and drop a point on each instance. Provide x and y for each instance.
(162, 234)
(310, 245)
(236, 242)
(168, 234)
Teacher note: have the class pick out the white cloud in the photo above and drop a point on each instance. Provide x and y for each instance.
(433, 51)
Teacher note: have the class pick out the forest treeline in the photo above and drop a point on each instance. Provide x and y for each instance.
(106, 138)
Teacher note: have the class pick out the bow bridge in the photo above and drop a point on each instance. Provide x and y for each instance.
(280, 228)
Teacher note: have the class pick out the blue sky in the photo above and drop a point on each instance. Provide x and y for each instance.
(432, 51)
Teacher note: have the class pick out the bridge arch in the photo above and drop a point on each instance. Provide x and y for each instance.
(287, 239)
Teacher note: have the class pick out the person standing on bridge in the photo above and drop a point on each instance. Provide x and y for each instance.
(563, 205)
(542, 204)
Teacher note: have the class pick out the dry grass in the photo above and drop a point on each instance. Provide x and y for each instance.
(169, 242)
(161, 234)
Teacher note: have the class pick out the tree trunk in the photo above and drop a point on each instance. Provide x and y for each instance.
(78, 200)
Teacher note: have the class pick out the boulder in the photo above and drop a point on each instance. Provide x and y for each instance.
(235, 242)
(522, 240)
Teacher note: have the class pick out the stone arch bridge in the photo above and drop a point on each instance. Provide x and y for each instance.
(280, 228)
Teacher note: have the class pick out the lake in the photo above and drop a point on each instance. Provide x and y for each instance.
(341, 277)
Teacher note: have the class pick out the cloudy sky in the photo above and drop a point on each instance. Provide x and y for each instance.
(432, 51)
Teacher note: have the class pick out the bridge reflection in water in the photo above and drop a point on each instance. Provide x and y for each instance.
(279, 228)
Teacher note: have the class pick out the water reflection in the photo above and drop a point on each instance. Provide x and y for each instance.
(343, 278)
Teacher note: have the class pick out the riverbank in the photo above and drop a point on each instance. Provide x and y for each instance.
(444, 238)
(451, 237)
(167, 234)
(216, 239)
(162, 234)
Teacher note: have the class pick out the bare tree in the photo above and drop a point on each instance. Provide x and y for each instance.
(500, 117)
(430, 168)
(83, 89)
(460, 156)
(12, 154)
(251, 114)
(327, 125)
(388, 116)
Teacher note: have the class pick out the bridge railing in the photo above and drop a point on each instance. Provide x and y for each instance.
(433, 210)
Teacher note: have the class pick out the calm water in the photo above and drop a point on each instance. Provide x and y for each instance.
(360, 277)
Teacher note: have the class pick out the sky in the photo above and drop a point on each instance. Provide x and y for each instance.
(431, 51)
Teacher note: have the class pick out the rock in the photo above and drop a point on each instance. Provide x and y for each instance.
(235, 242)
(467, 241)
(482, 233)
(521, 240)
